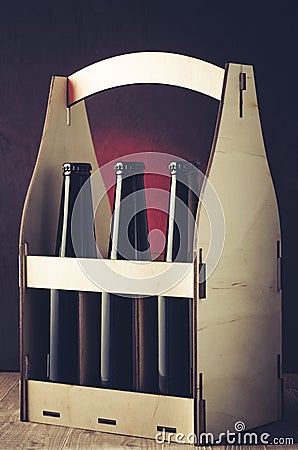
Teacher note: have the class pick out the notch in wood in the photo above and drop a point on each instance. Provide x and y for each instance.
(106, 421)
(242, 81)
(202, 407)
(279, 266)
(68, 119)
(202, 276)
(242, 87)
(166, 429)
(48, 366)
(281, 387)
(279, 376)
(26, 367)
(51, 414)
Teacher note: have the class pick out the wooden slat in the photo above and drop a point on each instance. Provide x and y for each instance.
(7, 381)
(83, 439)
(146, 67)
(9, 406)
(97, 275)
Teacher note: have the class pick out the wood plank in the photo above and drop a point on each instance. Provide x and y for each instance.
(9, 406)
(114, 276)
(79, 439)
(120, 412)
(16, 434)
(82, 439)
(146, 67)
(7, 381)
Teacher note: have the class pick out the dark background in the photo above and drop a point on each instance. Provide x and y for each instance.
(41, 39)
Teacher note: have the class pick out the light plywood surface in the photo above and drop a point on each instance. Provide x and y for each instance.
(114, 276)
(66, 137)
(146, 67)
(239, 322)
(133, 413)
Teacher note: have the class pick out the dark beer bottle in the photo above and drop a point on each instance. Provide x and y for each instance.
(129, 329)
(175, 314)
(73, 316)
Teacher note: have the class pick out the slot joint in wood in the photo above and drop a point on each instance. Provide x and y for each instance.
(279, 266)
(51, 414)
(166, 429)
(242, 87)
(202, 276)
(106, 421)
(68, 118)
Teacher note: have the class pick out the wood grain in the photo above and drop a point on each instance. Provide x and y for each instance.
(116, 276)
(146, 67)
(16, 434)
(135, 414)
(81, 439)
(7, 381)
(239, 323)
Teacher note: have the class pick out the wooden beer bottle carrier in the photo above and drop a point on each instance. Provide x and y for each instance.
(236, 311)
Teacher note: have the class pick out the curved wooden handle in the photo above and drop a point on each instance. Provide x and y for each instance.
(146, 67)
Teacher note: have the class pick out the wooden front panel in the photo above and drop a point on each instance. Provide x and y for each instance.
(114, 276)
(107, 410)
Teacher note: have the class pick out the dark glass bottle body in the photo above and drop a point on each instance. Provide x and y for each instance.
(128, 341)
(69, 356)
(175, 314)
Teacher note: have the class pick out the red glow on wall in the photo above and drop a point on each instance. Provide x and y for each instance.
(115, 146)
(155, 124)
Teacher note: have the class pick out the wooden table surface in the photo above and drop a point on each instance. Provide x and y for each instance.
(24, 435)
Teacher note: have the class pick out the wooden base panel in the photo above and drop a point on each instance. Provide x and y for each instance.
(119, 412)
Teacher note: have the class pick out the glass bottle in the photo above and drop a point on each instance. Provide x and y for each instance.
(175, 314)
(74, 316)
(129, 331)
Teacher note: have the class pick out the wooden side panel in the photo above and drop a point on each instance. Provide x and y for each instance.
(106, 410)
(66, 137)
(146, 67)
(239, 323)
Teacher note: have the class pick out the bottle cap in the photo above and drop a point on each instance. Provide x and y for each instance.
(183, 166)
(131, 167)
(75, 167)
